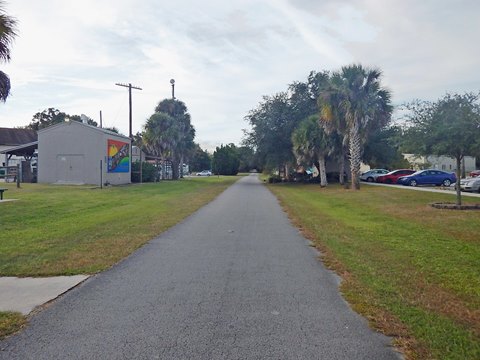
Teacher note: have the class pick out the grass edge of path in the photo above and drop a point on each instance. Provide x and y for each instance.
(359, 296)
(12, 322)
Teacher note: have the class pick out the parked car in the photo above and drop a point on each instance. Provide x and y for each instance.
(392, 176)
(428, 177)
(470, 184)
(475, 173)
(371, 175)
(204, 173)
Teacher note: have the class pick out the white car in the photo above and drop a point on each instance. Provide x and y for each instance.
(204, 173)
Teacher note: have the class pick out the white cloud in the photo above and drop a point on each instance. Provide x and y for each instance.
(224, 55)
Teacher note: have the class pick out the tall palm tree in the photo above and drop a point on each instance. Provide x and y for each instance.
(365, 106)
(160, 136)
(185, 132)
(7, 34)
(333, 120)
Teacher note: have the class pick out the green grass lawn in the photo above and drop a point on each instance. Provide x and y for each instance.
(412, 270)
(65, 230)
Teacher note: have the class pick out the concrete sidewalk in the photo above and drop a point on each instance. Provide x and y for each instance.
(443, 190)
(24, 294)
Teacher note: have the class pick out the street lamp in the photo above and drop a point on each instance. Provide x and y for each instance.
(172, 81)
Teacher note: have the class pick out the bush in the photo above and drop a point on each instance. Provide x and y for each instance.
(274, 179)
(149, 172)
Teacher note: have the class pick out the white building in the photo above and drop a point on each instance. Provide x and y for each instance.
(445, 163)
(76, 153)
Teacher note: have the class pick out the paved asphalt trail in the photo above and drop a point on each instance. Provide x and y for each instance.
(233, 281)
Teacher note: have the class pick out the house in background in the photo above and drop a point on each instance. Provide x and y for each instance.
(73, 152)
(444, 163)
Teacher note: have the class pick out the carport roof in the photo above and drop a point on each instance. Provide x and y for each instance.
(22, 150)
(13, 137)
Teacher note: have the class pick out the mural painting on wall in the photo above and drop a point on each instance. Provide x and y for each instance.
(118, 156)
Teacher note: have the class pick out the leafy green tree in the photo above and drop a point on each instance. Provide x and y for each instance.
(383, 149)
(7, 35)
(272, 126)
(365, 105)
(275, 118)
(52, 116)
(90, 121)
(449, 126)
(247, 159)
(226, 160)
(311, 145)
(200, 160)
(115, 130)
(46, 118)
(138, 139)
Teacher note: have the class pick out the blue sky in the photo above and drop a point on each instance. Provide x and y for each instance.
(225, 55)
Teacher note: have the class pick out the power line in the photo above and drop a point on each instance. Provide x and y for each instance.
(130, 87)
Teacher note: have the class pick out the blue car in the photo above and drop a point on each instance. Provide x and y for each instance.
(428, 177)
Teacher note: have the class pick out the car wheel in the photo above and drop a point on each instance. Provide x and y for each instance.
(446, 182)
(388, 181)
(370, 179)
(413, 183)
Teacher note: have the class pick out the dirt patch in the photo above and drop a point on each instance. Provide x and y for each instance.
(452, 206)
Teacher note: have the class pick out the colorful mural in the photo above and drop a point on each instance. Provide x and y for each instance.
(118, 153)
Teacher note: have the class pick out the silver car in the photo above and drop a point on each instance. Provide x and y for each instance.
(371, 175)
(470, 184)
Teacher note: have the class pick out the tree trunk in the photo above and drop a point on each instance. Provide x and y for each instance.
(355, 155)
(175, 167)
(341, 168)
(457, 182)
(323, 171)
(181, 167)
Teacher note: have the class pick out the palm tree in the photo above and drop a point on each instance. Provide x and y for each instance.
(333, 120)
(365, 106)
(160, 136)
(311, 145)
(185, 132)
(7, 34)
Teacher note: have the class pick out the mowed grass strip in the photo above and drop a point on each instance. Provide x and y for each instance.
(412, 270)
(66, 230)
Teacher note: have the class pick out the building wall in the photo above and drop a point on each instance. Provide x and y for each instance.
(445, 163)
(75, 153)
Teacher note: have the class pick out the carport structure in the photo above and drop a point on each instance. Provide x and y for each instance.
(19, 147)
(28, 152)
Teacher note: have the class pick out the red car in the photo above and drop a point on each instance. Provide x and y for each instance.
(392, 176)
(475, 173)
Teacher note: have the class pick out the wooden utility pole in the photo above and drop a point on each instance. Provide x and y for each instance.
(130, 87)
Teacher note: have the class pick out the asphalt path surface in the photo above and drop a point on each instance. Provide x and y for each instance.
(233, 281)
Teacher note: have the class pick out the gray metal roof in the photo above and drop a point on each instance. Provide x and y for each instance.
(13, 137)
